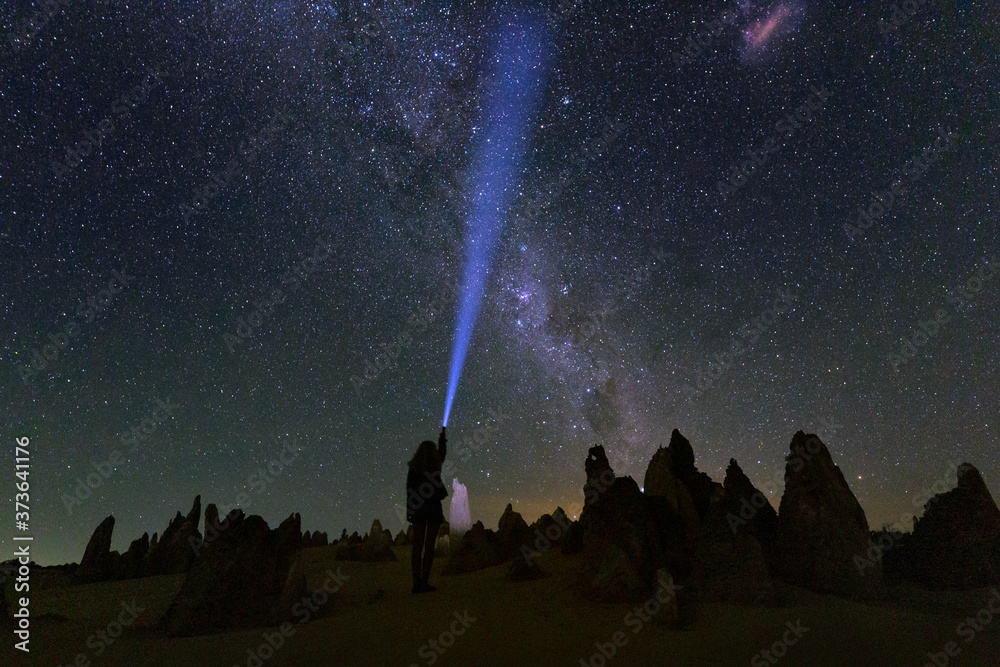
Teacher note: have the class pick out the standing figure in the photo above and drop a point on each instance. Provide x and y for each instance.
(424, 493)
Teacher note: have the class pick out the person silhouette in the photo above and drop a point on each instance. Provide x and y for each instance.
(424, 493)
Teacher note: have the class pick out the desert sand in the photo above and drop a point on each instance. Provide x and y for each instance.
(374, 619)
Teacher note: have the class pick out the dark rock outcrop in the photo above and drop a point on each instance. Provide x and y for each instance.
(211, 519)
(821, 525)
(401, 539)
(730, 563)
(599, 474)
(548, 531)
(735, 547)
(680, 458)
(194, 516)
(247, 577)
(130, 564)
(956, 543)
(175, 551)
(99, 563)
(513, 533)
(560, 517)
(572, 541)
(375, 547)
(620, 537)
(316, 539)
(479, 549)
(671, 499)
(748, 509)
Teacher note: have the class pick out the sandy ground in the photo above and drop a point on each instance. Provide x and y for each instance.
(374, 620)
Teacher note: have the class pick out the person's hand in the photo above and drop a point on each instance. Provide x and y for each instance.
(441, 438)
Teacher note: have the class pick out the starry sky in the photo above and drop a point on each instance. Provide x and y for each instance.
(232, 232)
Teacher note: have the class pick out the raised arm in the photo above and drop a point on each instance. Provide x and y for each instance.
(442, 444)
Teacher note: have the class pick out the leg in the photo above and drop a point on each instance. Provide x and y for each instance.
(429, 540)
(419, 529)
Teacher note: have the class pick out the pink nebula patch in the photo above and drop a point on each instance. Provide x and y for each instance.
(758, 34)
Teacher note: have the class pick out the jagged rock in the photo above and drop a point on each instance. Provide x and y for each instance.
(376, 546)
(729, 563)
(153, 541)
(747, 509)
(821, 525)
(99, 563)
(680, 456)
(513, 534)
(401, 539)
(660, 479)
(175, 552)
(247, 577)
(547, 531)
(130, 564)
(343, 535)
(572, 541)
(211, 518)
(315, 539)
(599, 474)
(736, 544)
(670, 497)
(479, 549)
(560, 517)
(955, 543)
(194, 516)
(620, 536)
(354, 538)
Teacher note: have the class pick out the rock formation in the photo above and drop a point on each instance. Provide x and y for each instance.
(130, 564)
(513, 533)
(679, 460)
(549, 530)
(955, 543)
(375, 547)
(194, 516)
(247, 577)
(211, 519)
(99, 563)
(175, 551)
(821, 526)
(479, 549)
(731, 562)
(316, 539)
(620, 537)
(459, 515)
(747, 508)
(670, 499)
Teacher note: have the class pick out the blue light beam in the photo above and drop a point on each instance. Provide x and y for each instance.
(520, 63)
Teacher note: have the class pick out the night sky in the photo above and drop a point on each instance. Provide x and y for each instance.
(266, 203)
